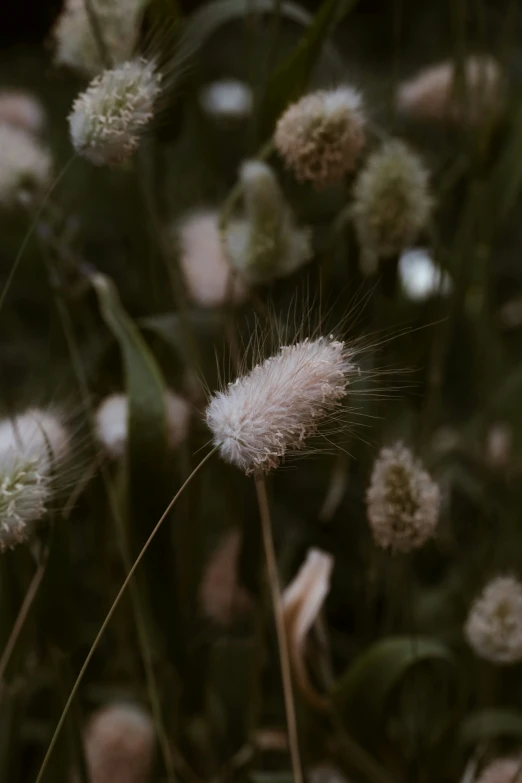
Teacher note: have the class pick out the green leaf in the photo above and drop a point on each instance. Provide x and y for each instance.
(291, 78)
(365, 691)
(144, 383)
(490, 724)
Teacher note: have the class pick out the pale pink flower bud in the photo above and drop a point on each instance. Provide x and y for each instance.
(25, 167)
(222, 597)
(321, 136)
(272, 411)
(21, 110)
(402, 501)
(494, 625)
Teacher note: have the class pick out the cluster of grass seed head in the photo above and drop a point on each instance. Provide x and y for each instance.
(402, 501)
(494, 625)
(32, 447)
(119, 744)
(108, 120)
(272, 410)
(76, 44)
(392, 201)
(321, 136)
(266, 244)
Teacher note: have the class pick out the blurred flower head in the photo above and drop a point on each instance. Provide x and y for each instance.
(227, 100)
(21, 110)
(391, 200)
(222, 597)
(25, 168)
(321, 136)
(402, 501)
(494, 625)
(502, 770)
(420, 277)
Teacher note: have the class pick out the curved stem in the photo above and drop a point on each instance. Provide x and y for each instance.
(273, 579)
(110, 614)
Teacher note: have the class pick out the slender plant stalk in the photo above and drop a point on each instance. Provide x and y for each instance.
(21, 618)
(284, 658)
(110, 613)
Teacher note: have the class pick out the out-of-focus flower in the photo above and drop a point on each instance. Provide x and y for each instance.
(433, 95)
(392, 202)
(420, 277)
(21, 110)
(402, 501)
(112, 422)
(227, 100)
(321, 136)
(502, 770)
(108, 120)
(266, 244)
(75, 40)
(494, 625)
(208, 277)
(222, 597)
(25, 168)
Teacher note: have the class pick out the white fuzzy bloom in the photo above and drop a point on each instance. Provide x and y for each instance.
(21, 110)
(494, 625)
(271, 411)
(112, 423)
(502, 770)
(108, 120)
(402, 501)
(119, 745)
(31, 446)
(227, 99)
(267, 244)
(206, 271)
(25, 167)
(321, 136)
(420, 277)
(432, 93)
(75, 42)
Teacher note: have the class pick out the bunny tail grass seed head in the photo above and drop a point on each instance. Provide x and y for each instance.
(206, 271)
(494, 625)
(21, 110)
(391, 200)
(272, 410)
(31, 446)
(321, 136)
(119, 745)
(267, 244)
(402, 501)
(108, 120)
(75, 42)
(25, 168)
(432, 94)
(505, 769)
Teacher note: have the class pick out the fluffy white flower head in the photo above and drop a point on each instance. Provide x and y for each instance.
(31, 446)
(402, 501)
(25, 167)
(119, 745)
(112, 423)
(108, 119)
(502, 770)
(432, 94)
(420, 276)
(227, 99)
(494, 625)
(205, 269)
(321, 136)
(392, 202)
(270, 412)
(75, 42)
(21, 110)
